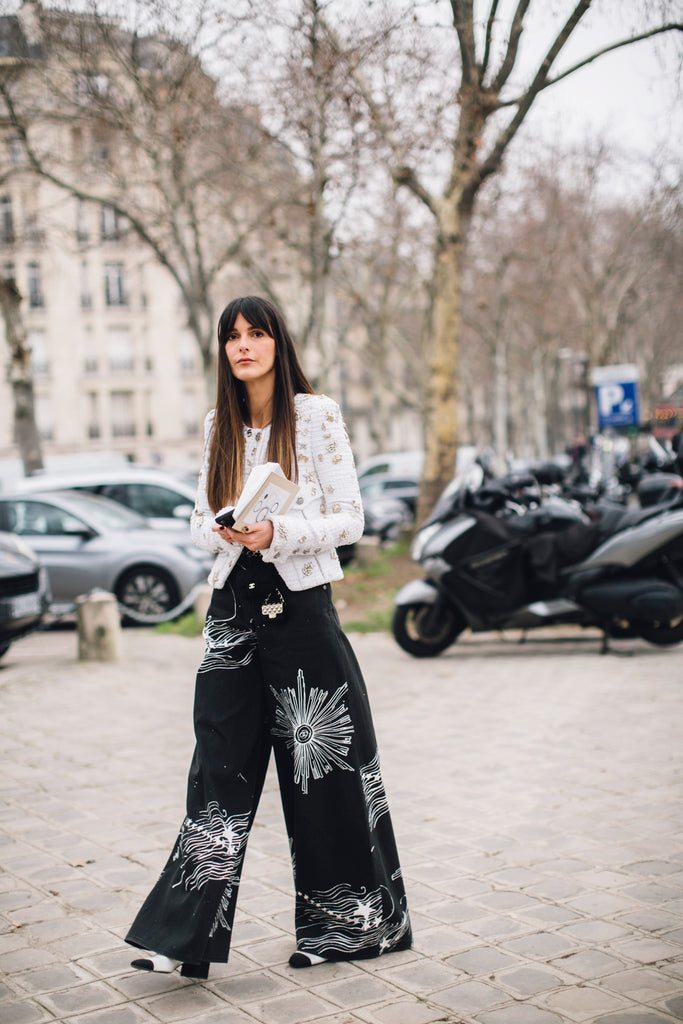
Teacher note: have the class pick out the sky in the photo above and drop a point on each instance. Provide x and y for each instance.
(633, 97)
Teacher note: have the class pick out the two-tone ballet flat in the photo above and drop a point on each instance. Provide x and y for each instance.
(161, 964)
(300, 959)
(156, 962)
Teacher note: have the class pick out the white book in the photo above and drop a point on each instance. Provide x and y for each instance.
(266, 493)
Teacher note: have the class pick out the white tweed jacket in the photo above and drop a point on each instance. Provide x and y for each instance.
(326, 514)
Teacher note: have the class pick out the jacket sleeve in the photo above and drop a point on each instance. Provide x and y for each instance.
(335, 516)
(202, 518)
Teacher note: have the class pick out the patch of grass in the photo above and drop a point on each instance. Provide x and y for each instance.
(187, 625)
(364, 598)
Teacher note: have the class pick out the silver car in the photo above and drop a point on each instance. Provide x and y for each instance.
(86, 542)
(164, 499)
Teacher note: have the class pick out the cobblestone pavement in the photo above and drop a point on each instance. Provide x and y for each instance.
(536, 797)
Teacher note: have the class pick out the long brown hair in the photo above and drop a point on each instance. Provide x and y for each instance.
(226, 456)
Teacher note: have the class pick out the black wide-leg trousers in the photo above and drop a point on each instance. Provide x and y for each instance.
(288, 680)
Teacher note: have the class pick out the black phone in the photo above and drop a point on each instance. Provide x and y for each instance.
(226, 518)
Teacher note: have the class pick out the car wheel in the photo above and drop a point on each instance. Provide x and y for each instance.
(147, 591)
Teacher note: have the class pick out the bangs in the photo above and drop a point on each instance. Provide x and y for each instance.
(254, 312)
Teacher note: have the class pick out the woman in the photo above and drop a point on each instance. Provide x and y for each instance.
(278, 672)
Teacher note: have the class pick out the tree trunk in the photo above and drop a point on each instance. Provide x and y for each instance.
(441, 403)
(20, 377)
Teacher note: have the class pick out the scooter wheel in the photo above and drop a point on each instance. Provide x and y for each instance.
(425, 630)
(663, 634)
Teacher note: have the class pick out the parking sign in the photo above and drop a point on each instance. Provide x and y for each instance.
(616, 392)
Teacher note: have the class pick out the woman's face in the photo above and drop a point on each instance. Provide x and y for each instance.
(250, 352)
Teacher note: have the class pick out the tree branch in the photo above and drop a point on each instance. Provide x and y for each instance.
(513, 45)
(492, 162)
(464, 26)
(670, 27)
(489, 36)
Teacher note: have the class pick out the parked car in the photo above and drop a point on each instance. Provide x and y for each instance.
(398, 464)
(387, 485)
(165, 500)
(24, 590)
(86, 541)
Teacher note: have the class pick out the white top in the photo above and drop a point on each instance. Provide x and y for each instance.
(327, 513)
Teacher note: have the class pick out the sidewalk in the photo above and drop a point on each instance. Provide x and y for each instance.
(536, 796)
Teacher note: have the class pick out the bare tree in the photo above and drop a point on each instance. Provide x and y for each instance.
(120, 112)
(20, 377)
(487, 109)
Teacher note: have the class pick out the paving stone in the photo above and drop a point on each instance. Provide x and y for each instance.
(400, 1011)
(525, 1014)
(441, 940)
(252, 986)
(640, 1016)
(47, 979)
(423, 977)
(294, 1008)
(23, 1013)
(80, 998)
(583, 1004)
(357, 991)
(183, 1001)
(675, 1006)
(528, 981)
(482, 961)
(541, 944)
(644, 984)
(470, 997)
(648, 951)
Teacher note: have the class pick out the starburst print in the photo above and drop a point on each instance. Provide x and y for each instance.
(317, 727)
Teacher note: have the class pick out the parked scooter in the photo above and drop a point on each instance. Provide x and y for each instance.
(502, 557)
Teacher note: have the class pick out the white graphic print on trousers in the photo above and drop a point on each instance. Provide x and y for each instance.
(210, 849)
(226, 647)
(317, 727)
(346, 920)
(375, 797)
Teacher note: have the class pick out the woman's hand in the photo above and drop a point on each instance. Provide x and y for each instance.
(256, 536)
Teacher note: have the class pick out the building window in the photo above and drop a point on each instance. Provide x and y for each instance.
(120, 350)
(115, 293)
(111, 225)
(190, 414)
(93, 415)
(6, 221)
(36, 299)
(15, 150)
(86, 294)
(90, 359)
(40, 357)
(188, 354)
(122, 414)
(90, 85)
(82, 221)
(33, 233)
(101, 148)
(44, 417)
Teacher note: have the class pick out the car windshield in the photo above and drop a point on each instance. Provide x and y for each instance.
(102, 513)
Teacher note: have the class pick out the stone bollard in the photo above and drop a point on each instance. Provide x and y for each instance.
(366, 551)
(201, 602)
(99, 627)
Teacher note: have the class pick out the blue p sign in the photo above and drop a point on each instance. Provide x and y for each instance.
(617, 404)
